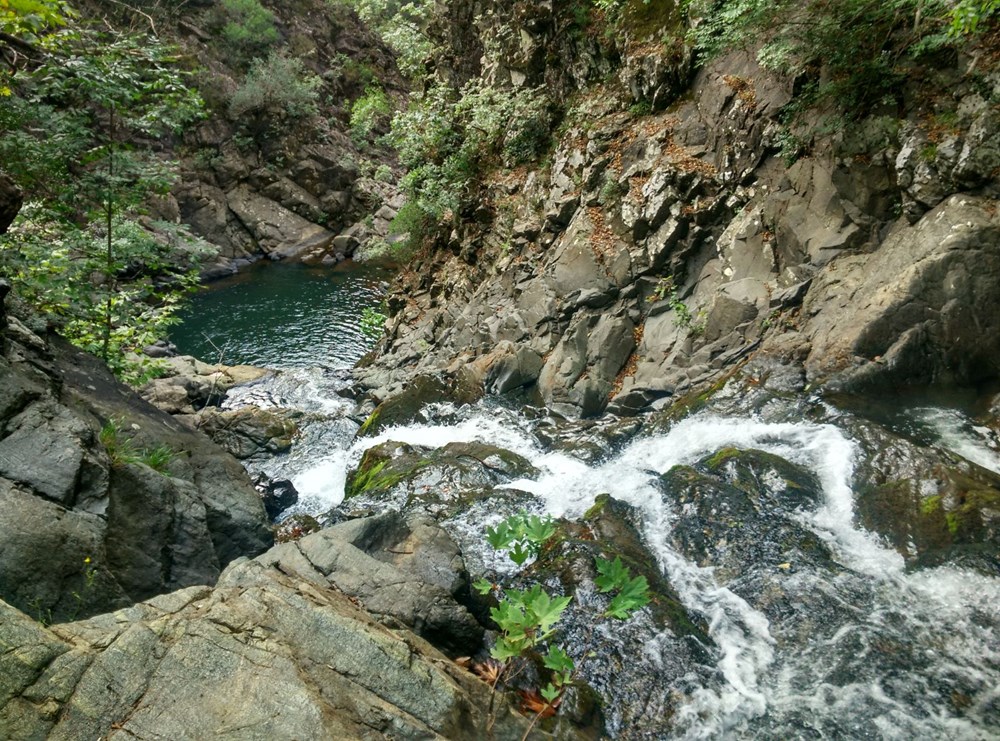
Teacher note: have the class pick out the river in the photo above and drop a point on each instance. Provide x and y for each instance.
(864, 645)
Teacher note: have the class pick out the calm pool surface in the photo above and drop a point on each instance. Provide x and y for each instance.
(283, 316)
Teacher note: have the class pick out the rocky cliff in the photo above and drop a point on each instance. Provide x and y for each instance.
(671, 235)
(274, 176)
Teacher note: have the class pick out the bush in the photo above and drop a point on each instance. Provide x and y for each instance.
(863, 45)
(447, 140)
(369, 112)
(276, 86)
(247, 27)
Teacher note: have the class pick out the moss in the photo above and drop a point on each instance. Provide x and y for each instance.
(930, 505)
(721, 457)
(369, 424)
(597, 507)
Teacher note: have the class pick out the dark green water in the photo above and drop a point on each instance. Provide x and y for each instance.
(280, 315)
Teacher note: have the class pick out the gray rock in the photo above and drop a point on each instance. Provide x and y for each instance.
(84, 532)
(921, 309)
(264, 655)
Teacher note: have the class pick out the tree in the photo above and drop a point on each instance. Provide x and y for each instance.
(81, 135)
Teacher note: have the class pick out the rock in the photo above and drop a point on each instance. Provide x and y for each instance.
(923, 309)
(11, 199)
(736, 516)
(928, 504)
(277, 494)
(192, 385)
(405, 407)
(87, 525)
(442, 479)
(249, 431)
(263, 655)
(403, 571)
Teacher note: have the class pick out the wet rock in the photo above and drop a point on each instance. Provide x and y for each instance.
(277, 494)
(930, 505)
(249, 431)
(446, 479)
(736, 513)
(405, 407)
(11, 199)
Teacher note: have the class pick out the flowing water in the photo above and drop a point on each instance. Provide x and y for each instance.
(858, 648)
(870, 651)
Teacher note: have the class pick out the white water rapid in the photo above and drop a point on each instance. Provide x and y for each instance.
(866, 650)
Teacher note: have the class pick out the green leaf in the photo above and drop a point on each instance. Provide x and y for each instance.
(547, 610)
(550, 693)
(482, 586)
(634, 594)
(612, 574)
(503, 650)
(538, 530)
(559, 661)
(518, 554)
(500, 536)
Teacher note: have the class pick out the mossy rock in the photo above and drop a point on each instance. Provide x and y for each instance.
(929, 504)
(454, 475)
(736, 514)
(405, 408)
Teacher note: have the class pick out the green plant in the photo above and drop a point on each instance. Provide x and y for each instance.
(246, 26)
(276, 86)
(402, 26)
(69, 130)
(122, 450)
(521, 535)
(369, 111)
(447, 139)
(528, 618)
(968, 16)
(863, 47)
(372, 323)
(384, 174)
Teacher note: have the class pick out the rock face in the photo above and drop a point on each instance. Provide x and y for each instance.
(88, 525)
(654, 252)
(272, 652)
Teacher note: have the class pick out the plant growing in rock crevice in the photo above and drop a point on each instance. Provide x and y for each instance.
(528, 619)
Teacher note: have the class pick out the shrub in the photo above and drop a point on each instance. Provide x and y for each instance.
(369, 111)
(447, 140)
(862, 44)
(247, 27)
(276, 86)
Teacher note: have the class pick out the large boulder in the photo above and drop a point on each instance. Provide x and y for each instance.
(264, 655)
(924, 308)
(403, 571)
(105, 499)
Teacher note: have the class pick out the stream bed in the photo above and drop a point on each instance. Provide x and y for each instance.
(857, 638)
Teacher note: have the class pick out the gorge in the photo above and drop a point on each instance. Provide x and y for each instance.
(744, 340)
